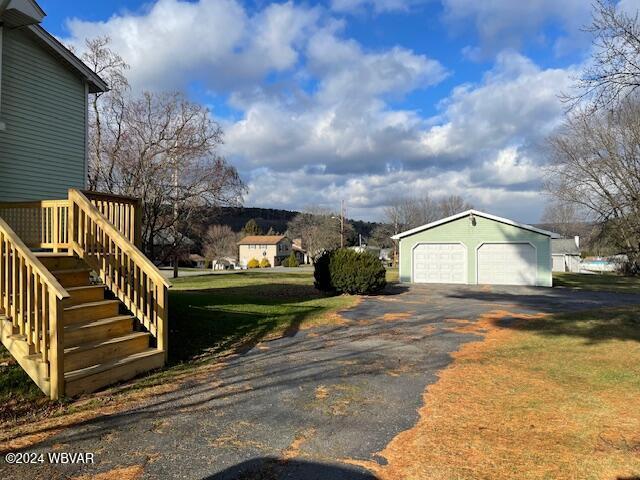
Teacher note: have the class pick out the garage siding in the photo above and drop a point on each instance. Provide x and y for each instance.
(484, 231)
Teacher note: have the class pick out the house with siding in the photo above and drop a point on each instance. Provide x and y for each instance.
(274, 248)
(44, 91)
(566, 254)
(70, 334)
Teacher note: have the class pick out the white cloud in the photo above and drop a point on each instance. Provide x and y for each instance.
(511, 23)
(484, 144)
(378, 6)
(345, 118)
(516, 104)
(629, 6)
(212, 41)
(329, 128)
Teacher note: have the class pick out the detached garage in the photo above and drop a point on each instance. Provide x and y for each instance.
(473, 247)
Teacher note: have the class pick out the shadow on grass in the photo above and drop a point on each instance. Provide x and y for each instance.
(594, 326)
(605, 282)
(19, 395)
(594, 316)
(234, 319)
(271, 468)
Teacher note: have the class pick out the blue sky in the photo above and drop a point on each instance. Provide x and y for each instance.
(361, 100)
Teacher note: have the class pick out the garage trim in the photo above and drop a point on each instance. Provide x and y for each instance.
(535, 249)
(466, 258)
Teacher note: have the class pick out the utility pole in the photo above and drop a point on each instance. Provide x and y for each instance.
(175, 220)
(342, 214)
(395, 242)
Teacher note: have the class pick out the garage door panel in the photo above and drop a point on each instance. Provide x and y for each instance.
(440, 263)
(507, 264)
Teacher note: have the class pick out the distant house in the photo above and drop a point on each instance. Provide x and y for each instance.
(224, 263)
(565, 253)
(274, 248)
(197, 260)
(300, 251)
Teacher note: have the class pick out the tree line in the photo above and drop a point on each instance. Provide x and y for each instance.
(594, 157)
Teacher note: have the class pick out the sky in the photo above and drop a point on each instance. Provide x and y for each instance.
(361, 100)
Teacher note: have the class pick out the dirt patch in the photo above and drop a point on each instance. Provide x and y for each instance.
(293, 450)
(395, 316)
(125, 473)
(429, 329)
(322, 392)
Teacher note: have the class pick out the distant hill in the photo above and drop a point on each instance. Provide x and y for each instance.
(237, 217)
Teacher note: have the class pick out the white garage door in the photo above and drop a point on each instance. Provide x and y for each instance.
(440, 263)
(507, 264)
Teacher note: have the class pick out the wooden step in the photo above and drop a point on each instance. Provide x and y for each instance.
(72, 277)
(92, 378)
(60, 261)
(97, 330)
(84, 294)
(86, 312)
(94, 353)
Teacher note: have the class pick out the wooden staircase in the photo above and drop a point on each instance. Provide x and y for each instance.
(102, 343)
(88, 317)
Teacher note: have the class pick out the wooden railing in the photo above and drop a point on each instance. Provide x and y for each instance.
(31, 298)
(39, 224)
(123, 268)
(125, 213)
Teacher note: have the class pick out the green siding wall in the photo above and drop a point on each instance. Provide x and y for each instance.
(484, 231)
(42, 149)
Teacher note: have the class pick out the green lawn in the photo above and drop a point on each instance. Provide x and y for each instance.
(606, 282)
(209, 316)
(216, 314)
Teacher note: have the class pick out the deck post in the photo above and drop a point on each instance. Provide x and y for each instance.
(56, 345)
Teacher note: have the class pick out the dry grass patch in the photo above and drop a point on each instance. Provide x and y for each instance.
(396, 316)
(541, 397)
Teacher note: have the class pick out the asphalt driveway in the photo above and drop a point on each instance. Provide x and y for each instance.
(301, 407)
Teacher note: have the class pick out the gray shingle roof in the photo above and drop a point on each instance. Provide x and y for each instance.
(565, 246)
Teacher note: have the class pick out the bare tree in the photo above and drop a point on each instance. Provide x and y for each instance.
(452, 205)
(563, 216)
(106, 110)
(159, 147)
(595, 165)
(405, 213)
(319, 230)
(614, 72)
(381, 236)
(219, 242)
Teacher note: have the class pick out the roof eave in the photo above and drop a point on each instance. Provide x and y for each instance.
(476, 213)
